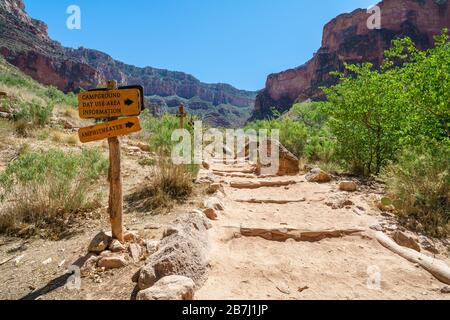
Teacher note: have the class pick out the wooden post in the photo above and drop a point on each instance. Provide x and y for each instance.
(181, 115)
(115, 208)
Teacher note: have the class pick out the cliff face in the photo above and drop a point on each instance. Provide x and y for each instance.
(348, 39)
(24, 42)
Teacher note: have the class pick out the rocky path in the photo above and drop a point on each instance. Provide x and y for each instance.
(286, 238)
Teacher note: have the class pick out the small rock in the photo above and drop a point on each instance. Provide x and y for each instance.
(90, 264)
(116, 246)
(100, 242)
(147, 277)
(348, 186)
(144, 147)
(152, 246)
(406, 241)
(18, 260)
(206, 165)
(215, 187)
(131, 236)
(377, 227)
(112, 262)
(135, 252)
(169, 288)
(214, 203)
(48, 261)
(105, 253)
(427, 245)
(210, 213)
(318, 175)
(61, 263)
(445, 290)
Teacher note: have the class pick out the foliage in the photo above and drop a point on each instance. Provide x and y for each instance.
(375, 113)
(303, 131)
(44, 190)
(420, 184)
(33, 113)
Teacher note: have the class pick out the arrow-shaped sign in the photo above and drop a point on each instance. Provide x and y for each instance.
(109, 129)
(128, 102)
(101, 104)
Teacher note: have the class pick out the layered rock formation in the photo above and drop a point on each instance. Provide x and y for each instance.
(348, 39)
(24, 42)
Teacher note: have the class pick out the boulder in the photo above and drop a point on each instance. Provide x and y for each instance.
(288, 163)
(169, 288)
(405, 241)
(182, 251)
(348, 186)
(100, 243)
(317, 175)
(112, 262)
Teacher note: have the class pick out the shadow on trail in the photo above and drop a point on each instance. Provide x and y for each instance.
(56, 283)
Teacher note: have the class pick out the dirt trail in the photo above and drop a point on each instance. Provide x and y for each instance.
(336, 268)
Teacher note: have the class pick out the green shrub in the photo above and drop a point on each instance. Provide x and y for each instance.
(34, 113)
(375, 113)
(45, 190)
(420, 183)
(160, 129)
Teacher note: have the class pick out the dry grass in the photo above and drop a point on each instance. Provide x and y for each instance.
(419, 184)
(170, 184)
(71, 113)
(47, 208)
(21, 94)
(64, 138)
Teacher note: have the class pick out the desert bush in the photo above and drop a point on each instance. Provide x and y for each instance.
(169, 184)
(59, 97)
(46, 190)
(419, 183)
(30, 115)
(160, 129)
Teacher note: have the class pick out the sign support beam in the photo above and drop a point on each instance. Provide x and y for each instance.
(115, 208)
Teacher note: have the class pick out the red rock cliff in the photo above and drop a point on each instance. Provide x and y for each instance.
(348, 39)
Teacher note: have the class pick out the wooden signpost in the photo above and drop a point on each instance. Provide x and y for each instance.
(111, 103)
(181, 114)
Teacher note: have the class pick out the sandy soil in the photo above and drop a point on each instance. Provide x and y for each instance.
(343, 268)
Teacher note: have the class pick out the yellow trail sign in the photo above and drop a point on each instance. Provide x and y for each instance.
(109, 103)
(109, 129)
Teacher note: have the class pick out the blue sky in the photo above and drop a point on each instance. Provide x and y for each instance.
(238, 42)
